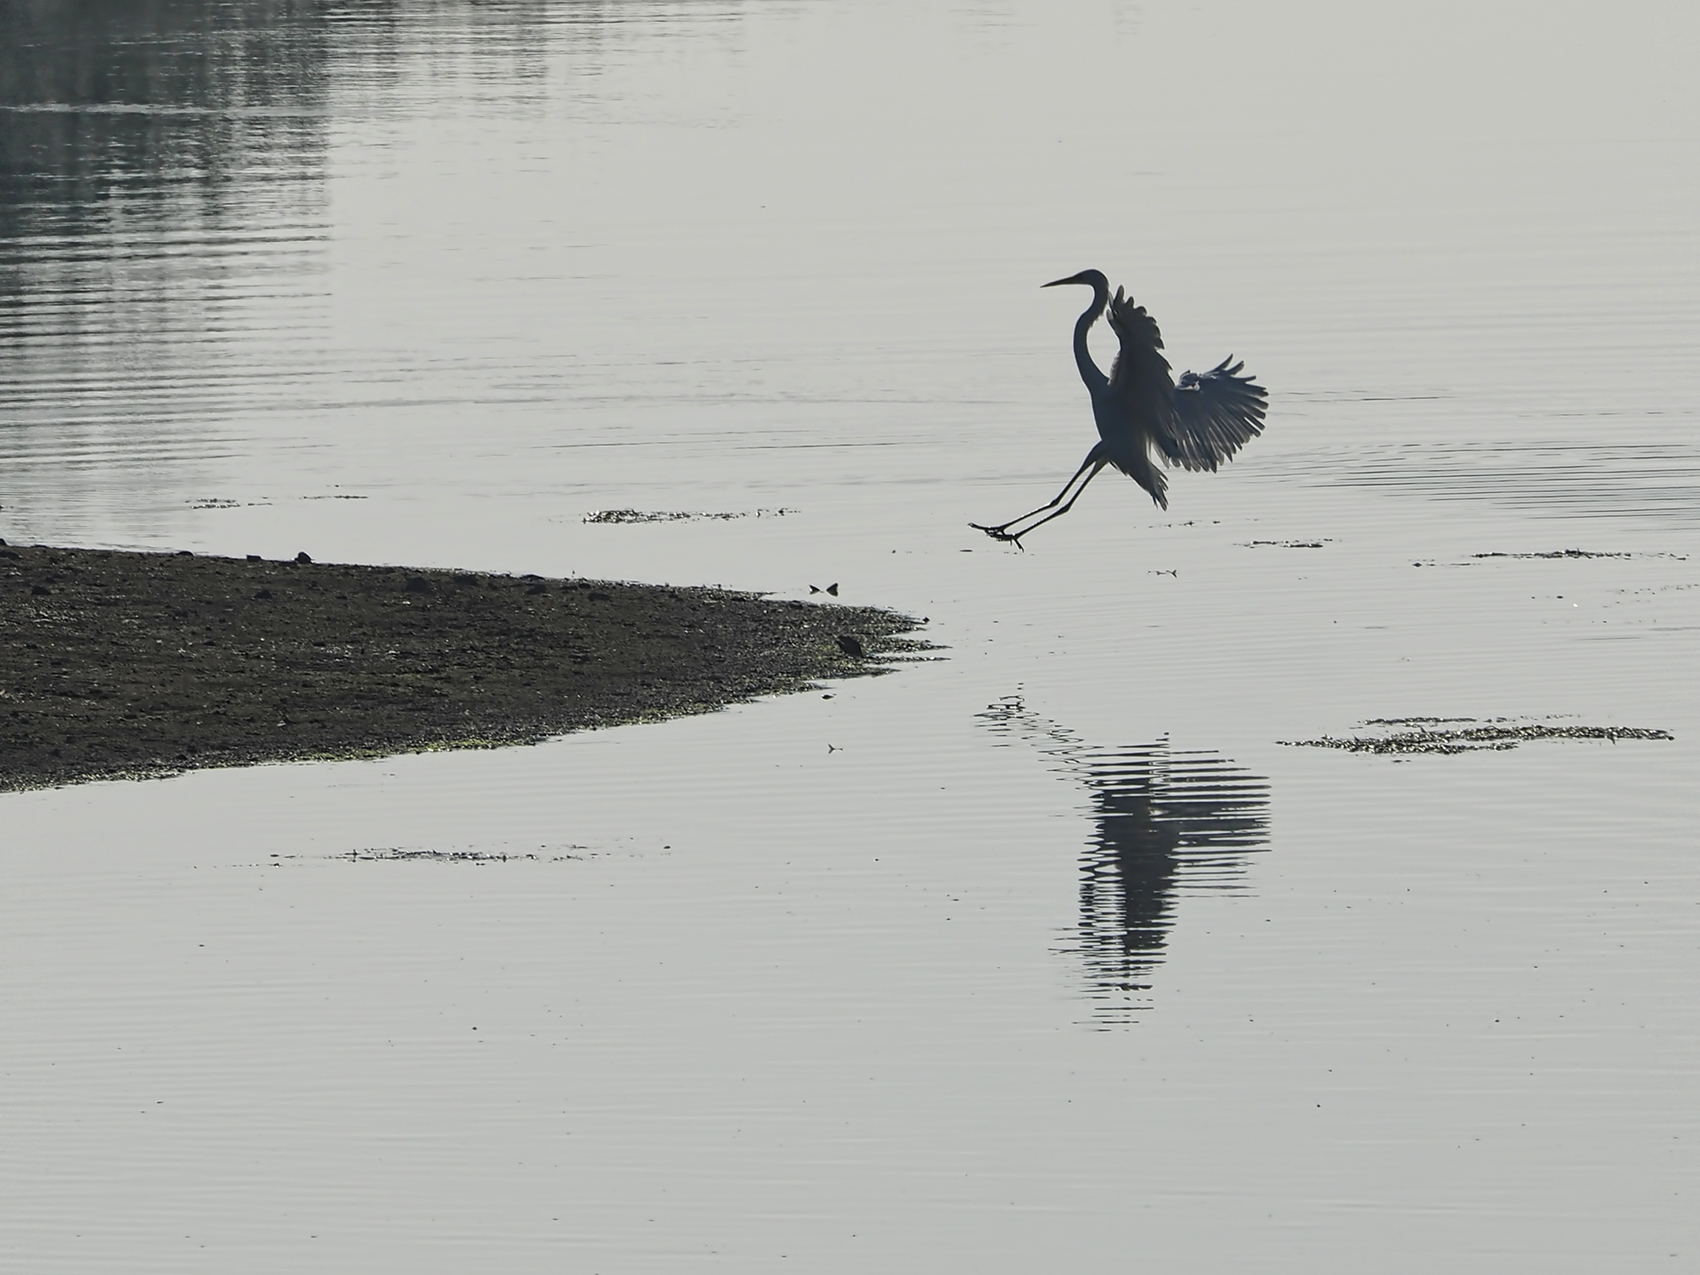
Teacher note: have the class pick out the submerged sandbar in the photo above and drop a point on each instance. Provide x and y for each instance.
(120, 664)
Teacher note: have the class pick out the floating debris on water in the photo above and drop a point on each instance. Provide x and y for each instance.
(1581, 553)
(677, 515)
(1286, 544)
(1440, 735)
(1554, 553)
(395, 854)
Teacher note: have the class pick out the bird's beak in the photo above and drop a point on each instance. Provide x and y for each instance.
(1073, 278)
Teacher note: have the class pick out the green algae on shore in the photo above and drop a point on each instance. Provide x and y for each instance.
(120, 664)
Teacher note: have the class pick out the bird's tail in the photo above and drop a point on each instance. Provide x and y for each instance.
(1147, 475)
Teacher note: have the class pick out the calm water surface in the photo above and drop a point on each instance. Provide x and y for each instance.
(1045, 953)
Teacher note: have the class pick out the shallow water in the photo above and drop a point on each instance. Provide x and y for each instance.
(1046, 952)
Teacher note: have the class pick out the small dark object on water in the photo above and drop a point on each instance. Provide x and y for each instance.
(254, 557)
(185, 553)
(262, 595)
(851, 647)
(532, 590)
(417, 584)
(599, 597)
(1198, 424)
(303, 559)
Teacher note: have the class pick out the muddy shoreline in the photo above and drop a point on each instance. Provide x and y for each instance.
(122, 665)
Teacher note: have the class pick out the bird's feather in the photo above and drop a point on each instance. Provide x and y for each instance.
(1139, 466)
(1214, 416)
(1198, 424)
(1140, 374)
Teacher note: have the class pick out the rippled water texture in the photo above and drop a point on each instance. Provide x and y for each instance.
(1045, 954)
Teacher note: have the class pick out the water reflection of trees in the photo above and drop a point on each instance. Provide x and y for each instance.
(153, 152)
(1164, 821)
(166, 217)
(143, 107)
(162, 196)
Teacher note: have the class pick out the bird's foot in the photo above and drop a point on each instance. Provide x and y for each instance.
(1000, 532)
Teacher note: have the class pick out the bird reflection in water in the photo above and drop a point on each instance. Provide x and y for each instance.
(1164, 821)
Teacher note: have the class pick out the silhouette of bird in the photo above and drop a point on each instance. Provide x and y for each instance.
(1198, 424)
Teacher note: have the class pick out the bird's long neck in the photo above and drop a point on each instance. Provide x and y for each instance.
(1082, 355)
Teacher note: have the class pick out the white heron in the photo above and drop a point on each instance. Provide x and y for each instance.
(1198, 424)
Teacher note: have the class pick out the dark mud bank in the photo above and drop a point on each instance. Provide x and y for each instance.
(117, 664)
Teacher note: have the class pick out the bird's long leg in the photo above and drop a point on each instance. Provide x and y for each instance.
(1003, 527)
(1094, 461)
(1057, 513)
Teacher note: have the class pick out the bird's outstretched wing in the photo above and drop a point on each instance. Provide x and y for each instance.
(1215, 415)
(1140, 375)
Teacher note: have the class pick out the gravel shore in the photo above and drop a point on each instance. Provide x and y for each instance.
(120, 664)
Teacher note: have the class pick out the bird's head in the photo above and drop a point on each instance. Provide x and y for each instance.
(1091, 278)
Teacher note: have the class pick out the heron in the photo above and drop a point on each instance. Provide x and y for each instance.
(1196, 424)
